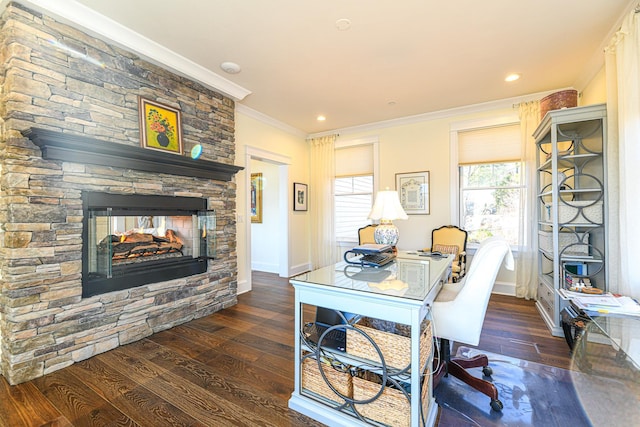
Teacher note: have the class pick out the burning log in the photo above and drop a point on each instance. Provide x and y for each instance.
(134, 245)
(136, 238)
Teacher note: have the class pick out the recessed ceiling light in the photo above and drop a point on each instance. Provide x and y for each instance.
(391, 103)
(321, 118)
(512, 77)
(343, 24)
(230, 67)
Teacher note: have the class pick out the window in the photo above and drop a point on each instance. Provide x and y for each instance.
(490, 181)
(353, 201)
(353, 188)
(490, 196)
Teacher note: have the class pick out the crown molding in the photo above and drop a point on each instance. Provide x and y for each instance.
(78, 15)
(268, 120)
(442, 114)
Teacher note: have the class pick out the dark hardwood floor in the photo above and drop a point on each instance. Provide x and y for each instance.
(234, 367)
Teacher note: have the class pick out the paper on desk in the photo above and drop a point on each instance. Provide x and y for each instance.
(626, 306)
(567, 294)
(606, 303)
(606, 300)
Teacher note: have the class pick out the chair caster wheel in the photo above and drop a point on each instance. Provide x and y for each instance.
(487, 371)
(496, 405)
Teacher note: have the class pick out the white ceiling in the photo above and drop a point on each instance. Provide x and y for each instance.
(421, 55)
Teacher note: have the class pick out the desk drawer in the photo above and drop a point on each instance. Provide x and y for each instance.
(546, 297)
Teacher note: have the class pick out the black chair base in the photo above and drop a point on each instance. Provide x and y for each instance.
(458, 366)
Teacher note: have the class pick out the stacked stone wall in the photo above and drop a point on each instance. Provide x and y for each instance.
(57, 77)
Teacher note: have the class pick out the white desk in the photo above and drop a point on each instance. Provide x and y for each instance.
(400, 292)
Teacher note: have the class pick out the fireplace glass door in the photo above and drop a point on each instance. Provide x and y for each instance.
(144, 239)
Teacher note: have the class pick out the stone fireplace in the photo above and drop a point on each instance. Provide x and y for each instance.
(68, 144)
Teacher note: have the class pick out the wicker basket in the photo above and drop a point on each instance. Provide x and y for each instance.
(312, 380)
(578, 212)
(391, 408)
(545, 241)
(395, 348)
(558, 100)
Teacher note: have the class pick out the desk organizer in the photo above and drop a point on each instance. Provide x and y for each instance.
(394, 343)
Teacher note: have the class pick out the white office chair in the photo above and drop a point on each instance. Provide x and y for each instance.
(459, 310)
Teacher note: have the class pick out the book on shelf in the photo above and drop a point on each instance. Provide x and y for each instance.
(575, 268)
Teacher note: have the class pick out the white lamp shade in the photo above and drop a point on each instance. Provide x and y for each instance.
(387, 207)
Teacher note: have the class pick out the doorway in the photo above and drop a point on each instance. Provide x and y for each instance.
(276, 167)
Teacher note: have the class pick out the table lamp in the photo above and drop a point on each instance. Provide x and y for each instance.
(387, 208)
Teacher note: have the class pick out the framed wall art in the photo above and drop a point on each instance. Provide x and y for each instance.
(256, 197)
(160, 126)
(413, 190)
(300, 197)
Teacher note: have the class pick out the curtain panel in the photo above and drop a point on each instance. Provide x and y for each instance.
(623, 120)
(321, 198)
(527, 269)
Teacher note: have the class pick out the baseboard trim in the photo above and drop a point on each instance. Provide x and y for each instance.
(504, 288)
(243, 286)
(264, 266)
(299, 269)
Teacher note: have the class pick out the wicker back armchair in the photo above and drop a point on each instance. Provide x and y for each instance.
(365, 234)
(450, 239)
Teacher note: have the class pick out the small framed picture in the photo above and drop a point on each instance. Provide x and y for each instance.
(300, 197)
(160, 126)
(413, 190)
(256, 198)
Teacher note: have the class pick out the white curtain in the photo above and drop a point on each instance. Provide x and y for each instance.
(323, 240)
(527, 269)
(623, 119)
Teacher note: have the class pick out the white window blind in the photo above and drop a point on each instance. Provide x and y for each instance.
(489, 145)
(355, 160)
(353, 190)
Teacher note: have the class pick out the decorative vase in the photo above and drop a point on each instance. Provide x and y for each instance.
(163, 139)
(386, 233)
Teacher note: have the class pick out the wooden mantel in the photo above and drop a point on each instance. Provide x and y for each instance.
(81, 149)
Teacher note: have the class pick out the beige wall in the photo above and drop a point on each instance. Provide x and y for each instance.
(422, 146)
(596, 90)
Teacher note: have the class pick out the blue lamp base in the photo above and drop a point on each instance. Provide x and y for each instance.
(386, 233)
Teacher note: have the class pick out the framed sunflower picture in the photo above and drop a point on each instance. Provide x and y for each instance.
(160, 126)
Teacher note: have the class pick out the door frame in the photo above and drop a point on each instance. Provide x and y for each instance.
(282, 246)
